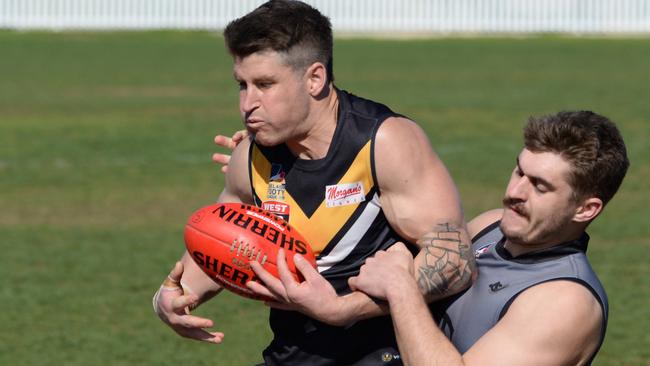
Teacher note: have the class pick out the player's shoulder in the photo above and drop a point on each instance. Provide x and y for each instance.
(568, 292)
(483, 221)
(395, 126)
(398, 134)
(563, 324)
(577, 304)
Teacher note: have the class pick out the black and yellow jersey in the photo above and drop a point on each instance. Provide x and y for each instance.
(334, 203)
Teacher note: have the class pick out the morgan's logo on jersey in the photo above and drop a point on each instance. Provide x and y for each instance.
(344, 194)
(277, 174)
(280, 209)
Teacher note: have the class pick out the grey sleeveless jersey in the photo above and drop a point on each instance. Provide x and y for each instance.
(502, 278)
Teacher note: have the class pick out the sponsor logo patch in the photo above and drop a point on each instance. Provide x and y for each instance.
(344, 194)
(497, 286)
(275, 191)
(280, 209)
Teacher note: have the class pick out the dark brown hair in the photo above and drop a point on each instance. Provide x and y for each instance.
(591, 144)
(300, 33)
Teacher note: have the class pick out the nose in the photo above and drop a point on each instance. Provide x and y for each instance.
(248, 100)
(518, 188)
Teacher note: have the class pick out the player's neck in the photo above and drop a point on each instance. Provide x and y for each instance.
(315, 142)
(517, 248)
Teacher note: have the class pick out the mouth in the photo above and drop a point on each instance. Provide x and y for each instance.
(252, 126)
(518, 211)
(253, 122)
(516, 207)
(511, 208)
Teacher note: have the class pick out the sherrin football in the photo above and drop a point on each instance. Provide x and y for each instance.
(223, 238)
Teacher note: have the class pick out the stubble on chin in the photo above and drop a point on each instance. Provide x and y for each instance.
(511, 235)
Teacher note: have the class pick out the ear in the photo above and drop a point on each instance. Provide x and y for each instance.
(588, 210)
(316, 78)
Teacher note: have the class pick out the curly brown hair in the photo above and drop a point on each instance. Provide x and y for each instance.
(590, 143)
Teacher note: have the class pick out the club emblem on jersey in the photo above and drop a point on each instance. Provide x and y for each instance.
(277, 174)
(279, 209)
(344, 194)
(479, 252)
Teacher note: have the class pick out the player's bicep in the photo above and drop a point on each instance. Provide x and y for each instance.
(555, 323)
(417, 191)
(421, 203)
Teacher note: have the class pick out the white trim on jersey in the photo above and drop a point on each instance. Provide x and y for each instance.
(349, 241)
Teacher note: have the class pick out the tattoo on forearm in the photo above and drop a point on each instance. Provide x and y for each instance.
(448, 262)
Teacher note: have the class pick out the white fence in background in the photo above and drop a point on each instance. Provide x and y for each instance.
(352, 16)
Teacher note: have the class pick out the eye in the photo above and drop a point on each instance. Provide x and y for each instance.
(541, 188)
(242, 85)
(518, 172)
(264, 84)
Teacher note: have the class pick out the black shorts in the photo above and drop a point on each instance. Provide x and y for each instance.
(300, 340)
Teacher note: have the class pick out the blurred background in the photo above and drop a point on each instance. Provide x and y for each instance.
(356, 16)
(108, 109)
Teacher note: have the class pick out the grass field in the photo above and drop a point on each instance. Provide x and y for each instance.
(105, 145)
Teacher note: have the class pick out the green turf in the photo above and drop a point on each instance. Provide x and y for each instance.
(105, 144)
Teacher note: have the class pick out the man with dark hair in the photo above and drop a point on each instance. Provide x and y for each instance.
(537, 300)
(337, 168)
(273, 26)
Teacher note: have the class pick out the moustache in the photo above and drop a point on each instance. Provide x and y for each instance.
(516, 205)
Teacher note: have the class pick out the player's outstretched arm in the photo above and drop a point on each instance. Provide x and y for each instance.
(188, 286)
(422, 204)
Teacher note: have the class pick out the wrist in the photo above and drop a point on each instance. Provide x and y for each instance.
(343, 311)
(339, 312)
(357, 306)
(407, 290)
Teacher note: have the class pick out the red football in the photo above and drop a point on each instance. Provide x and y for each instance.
(223, 238)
